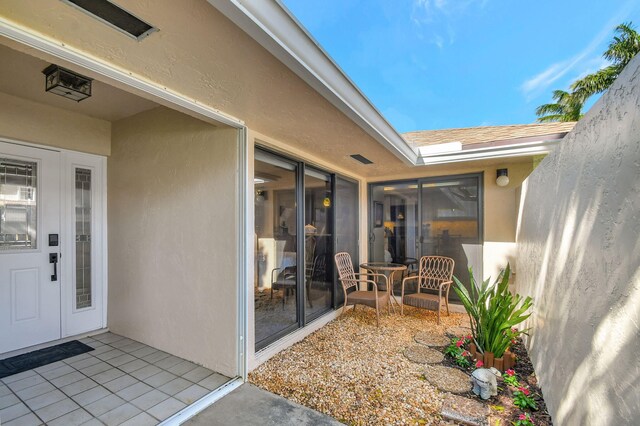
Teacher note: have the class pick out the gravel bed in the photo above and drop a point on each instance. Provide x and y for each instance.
(358, 373)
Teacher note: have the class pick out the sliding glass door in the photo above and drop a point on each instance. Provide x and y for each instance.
(432, 216)
(276, 230)
(347, 214)
(298, 209)
(450, 224)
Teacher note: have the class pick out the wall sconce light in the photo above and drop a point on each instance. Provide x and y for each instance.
(67, 84)
(260, 196)
(502, 178)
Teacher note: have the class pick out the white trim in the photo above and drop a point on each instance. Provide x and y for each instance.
(278, 31)
(12, 31)
(204, 402)
(513, 150)
(266, 353)
(105, 245)
(245, 250)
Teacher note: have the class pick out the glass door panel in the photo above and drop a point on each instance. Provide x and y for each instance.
(347, 225)
(394, 224)
(450, 224)
(318, 243)
(275, 283)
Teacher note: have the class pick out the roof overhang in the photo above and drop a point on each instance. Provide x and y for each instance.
(271, 25)
(522, 147)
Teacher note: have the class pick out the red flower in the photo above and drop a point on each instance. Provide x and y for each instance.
(460, 343)
(524, 390)
(466, 353)
(510, 372)
(468, 337)
(479, 363)
(522, 417)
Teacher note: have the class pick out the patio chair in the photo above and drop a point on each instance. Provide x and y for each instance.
(285, 279)
(434, 275)
(352, 294)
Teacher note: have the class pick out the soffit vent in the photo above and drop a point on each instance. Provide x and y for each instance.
(115, 17)
(362, 159)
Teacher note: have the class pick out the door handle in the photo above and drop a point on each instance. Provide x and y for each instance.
(53, 258)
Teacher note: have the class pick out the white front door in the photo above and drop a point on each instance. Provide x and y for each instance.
(52, 266)
(30, 287)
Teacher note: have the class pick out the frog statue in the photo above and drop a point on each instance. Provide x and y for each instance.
(484, 382)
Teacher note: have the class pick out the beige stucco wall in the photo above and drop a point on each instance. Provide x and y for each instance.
(28, 121)
(500, 204)
(579, 257)
(173, 236)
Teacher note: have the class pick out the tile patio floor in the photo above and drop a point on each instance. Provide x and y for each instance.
(121, 382)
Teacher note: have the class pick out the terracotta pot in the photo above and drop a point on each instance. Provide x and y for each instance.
(473, 350)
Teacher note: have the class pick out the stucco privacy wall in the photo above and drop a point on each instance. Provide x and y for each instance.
(172, 236)
(29, 121)
(579, 257)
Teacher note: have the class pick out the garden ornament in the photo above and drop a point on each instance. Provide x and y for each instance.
(484, 382)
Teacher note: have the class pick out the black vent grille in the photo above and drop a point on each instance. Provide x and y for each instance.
(362, 159)
(114, 16)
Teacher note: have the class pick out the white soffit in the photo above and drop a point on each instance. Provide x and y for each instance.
(270, 24)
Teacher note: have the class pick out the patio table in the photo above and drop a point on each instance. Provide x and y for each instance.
(388, 269)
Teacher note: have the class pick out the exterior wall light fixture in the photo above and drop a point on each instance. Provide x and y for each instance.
(67, 83)
(502, 178)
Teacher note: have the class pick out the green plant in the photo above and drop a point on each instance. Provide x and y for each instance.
(510, 378)
(523, 420)
(457, 350)
(493, 311)
(522, 399)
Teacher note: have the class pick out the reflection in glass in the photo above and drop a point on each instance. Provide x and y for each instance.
(435, 216)
(347, 224)
(83, 238)
(450, 226)
(275, 281)
(318, 244)
(395, 237)
(18, 205)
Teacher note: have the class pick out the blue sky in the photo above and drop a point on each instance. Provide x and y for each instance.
(431, 64)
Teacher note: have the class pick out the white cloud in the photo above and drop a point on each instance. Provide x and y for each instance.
(437, 16)
(581, 63)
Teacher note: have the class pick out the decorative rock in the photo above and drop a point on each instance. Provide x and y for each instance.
(459, 331)
(430, 338)
(484, 382)
(464, 410)
(448, 379)
(423, 355)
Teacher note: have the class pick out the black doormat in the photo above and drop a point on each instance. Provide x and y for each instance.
(18, 364)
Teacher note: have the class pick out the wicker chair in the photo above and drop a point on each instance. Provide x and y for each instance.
(434, 275)
(354, 296)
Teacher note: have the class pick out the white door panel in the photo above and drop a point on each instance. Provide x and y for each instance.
(42, 192)
(29, 292)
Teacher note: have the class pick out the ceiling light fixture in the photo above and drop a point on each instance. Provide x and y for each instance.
(66, 83)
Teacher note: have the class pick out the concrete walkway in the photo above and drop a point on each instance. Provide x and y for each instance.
(249, 405)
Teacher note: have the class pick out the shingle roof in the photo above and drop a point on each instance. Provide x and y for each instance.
(475, 135)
